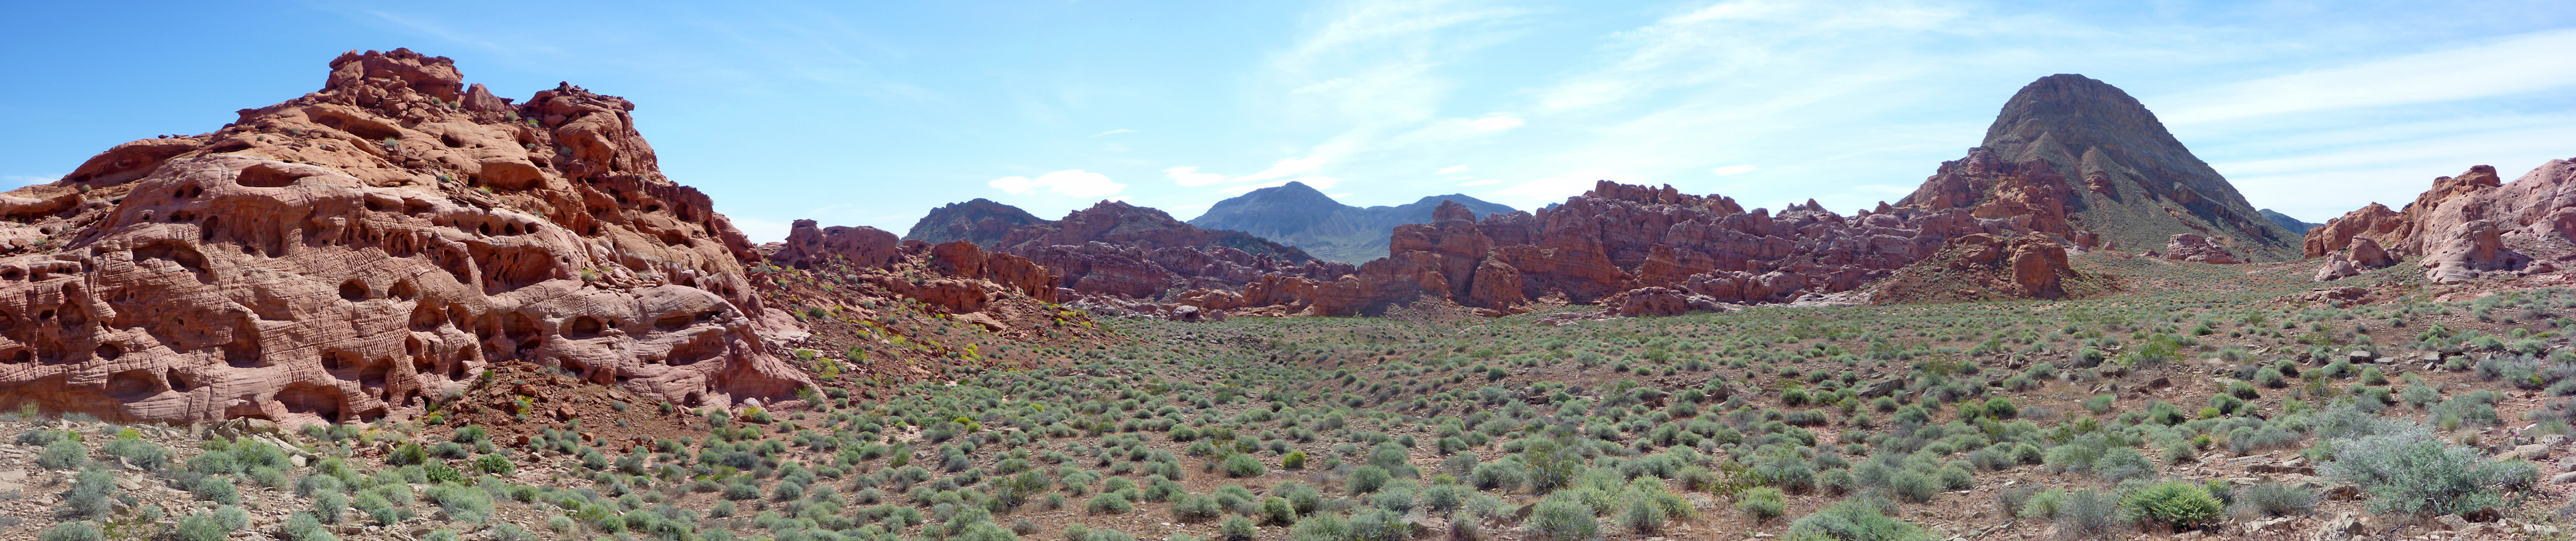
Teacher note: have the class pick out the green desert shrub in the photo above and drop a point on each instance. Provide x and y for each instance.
(2276, 499)
(1854, 520)
(1368, 479)
(1761, 503)
(462, 502)
(1237, 528)
(62, 454)
(2175, 504)
(1196, 508)
(1243, 465)
(2088, 514)
(1563, 518)
(71, 531)
(87, 497)
(1109, 503)
(2411, 471)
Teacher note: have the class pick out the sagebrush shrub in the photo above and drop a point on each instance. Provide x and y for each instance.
(2414, 472)
(1854, 520)
(1761, 503)
(2177, 505)
(2276, 499)
(1560, 518)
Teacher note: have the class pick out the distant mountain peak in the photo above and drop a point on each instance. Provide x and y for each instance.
(2134, 183)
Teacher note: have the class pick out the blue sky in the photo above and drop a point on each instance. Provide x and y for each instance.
(869, 113)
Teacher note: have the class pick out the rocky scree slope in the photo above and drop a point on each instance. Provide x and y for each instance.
(1297, 215)
(349, 253)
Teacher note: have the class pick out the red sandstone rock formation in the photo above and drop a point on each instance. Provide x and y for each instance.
(342, 255)
(808, 245)
(1119, 250)
(2466, 226)
(2030, 192)
(1621, 238)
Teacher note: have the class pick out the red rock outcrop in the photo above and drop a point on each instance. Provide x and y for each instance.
(1984, 267)
(2467, 226)
(2373, 221)
(808, 245)
(2199, 249)
(1621, 238)
(345, 254)
(2361, 254)
(2030, 192)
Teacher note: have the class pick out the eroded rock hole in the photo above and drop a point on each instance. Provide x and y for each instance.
(109, 352)
(353, 290)
(179, 382)
(132, 385)
(373, 376)
(403, 290)
(268, 176)
(315, 400)
(673, 322)
(582, 327)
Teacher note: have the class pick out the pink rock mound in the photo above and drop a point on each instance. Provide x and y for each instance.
(356, 251)
(2464, 227)
(2199, 249)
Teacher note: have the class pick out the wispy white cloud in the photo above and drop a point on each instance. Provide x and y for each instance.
(16, 181)
(1114, 132)
(1190, 175)
(1451, 170)
(1070, 182)
(1733, 170)
(1482, 182)
(1496, 122)
(2526, 63)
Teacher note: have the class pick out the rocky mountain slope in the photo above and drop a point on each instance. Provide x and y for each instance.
(2117, 173)
(1297, 215)
(2287, 222)
(2464, 227)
